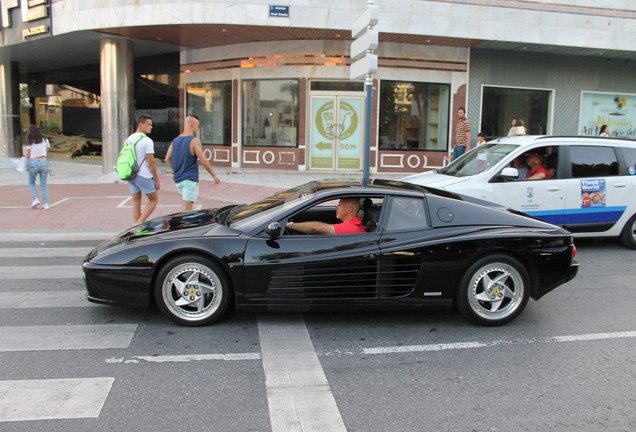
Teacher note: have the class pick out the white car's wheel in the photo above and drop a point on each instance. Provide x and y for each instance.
(494, 291)
(628, 236)
(192, 290)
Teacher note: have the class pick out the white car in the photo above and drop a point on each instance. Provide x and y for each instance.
(590, 190)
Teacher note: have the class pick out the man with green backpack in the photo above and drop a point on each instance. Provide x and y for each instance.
(142, 177)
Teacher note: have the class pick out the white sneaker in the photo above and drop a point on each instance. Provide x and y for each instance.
(46, 206)
(35, 203)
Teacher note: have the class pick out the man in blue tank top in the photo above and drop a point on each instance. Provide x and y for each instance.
(183, 156)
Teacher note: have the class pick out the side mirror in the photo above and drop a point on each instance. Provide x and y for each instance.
(509, 173)
(273, 229)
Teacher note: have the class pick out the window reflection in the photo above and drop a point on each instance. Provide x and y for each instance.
(270, 113)
(407, 213)
(593, 161)
(413, 116)
(500, 105)
(212, 104)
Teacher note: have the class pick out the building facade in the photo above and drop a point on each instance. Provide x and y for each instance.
(270, 83)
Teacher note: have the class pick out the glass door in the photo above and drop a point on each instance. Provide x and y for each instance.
(336, 132)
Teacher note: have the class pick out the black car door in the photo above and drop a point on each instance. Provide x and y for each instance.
(406, 226)
(319, 268)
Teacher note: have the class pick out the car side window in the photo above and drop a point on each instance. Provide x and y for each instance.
(630, 159)
(407, 213)
(588, 161)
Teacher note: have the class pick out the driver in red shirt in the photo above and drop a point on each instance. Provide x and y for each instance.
(346, 210)
(537, 170)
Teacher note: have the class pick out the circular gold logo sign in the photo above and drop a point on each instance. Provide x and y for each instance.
(325, 121)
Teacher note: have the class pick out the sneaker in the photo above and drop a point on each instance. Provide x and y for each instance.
(35, 203)
(46, 206)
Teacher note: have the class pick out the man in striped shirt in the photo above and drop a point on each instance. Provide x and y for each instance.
(462, 134)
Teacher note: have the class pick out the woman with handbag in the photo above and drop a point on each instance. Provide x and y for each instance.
(36, 150)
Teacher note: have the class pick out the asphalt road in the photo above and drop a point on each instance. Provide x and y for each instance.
(566, 364)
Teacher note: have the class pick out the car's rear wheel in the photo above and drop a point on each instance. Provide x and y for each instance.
(494, 291)
(628, 236)
(192, 290)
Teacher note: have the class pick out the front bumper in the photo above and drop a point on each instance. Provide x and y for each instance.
(118, 285)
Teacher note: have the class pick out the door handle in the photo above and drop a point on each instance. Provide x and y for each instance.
(621, 185)
(554, 189)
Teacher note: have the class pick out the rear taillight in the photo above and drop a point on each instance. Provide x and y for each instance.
(573, 250)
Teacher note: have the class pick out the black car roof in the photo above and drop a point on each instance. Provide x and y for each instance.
(374, 184)
(377, 185)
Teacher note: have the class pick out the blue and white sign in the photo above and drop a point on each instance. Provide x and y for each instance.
(279, 11)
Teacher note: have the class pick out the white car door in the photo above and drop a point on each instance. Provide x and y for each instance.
(597, 196)
(544, 199)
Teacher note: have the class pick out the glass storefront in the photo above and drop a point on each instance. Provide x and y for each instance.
(413, 116)
(270, 113)
(212, 104)
(69, 117)
(501, 104)
(68, 112)
(157, 95)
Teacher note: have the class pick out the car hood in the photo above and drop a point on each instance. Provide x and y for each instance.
(185, 224)
(434, 179)
(174, 223)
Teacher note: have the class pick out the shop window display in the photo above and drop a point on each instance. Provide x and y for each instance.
(501, 104)
(270, 113)
(413, 116)
(212, 104)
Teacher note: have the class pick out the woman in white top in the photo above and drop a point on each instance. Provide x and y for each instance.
(36, 149)
(604, 131)
(518, 128)
(513, 125)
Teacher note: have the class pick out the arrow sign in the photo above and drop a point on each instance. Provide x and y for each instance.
(368, 18)
(367, 42)
(323, 145)
(366, 65)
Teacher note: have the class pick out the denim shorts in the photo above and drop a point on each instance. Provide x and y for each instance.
(189, 190)
(142, 184)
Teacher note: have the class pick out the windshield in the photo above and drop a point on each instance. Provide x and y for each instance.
(478, 160)
(283, 198)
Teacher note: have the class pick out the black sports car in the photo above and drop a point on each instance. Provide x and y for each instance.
(423, 247)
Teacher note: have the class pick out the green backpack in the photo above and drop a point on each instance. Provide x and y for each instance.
(127, 166)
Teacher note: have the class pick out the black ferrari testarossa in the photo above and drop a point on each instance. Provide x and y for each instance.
(423, 247)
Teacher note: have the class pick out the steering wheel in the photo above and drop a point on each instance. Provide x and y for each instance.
(291, 231)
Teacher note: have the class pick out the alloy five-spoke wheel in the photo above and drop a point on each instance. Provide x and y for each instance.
(192, 291)
(494, 291)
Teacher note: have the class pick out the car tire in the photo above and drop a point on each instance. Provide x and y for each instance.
(192, 290)
(628, 236)
(494, 290)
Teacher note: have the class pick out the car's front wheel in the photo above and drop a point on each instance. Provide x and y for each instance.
(192, 290)
(494, 291)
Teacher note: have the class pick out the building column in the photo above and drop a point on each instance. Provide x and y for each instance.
(117, 98)
(10, 136)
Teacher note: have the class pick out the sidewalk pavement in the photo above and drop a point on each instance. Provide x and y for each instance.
(83, 198)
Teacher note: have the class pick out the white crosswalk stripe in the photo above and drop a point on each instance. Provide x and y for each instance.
(27, 400)
(44, 299)
(59, 398)
(54, 236)
(42, 272)
(70, 252)
(66, 337)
